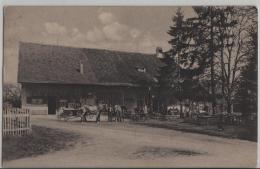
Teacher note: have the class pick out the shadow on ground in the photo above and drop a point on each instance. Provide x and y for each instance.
(41, 141)
(148, 152)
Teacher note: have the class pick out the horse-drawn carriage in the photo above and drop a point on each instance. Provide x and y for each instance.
(87, 112)
(92, 112)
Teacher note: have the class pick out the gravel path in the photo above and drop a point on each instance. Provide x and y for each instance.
(126, 145)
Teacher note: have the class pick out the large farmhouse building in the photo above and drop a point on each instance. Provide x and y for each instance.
(55, 76)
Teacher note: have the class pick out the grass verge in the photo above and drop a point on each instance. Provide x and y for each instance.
(239, 132)
(41, 141)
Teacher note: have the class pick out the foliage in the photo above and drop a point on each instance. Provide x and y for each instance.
(247, 94)
(170, 79)
(12, 94)
(211, 48)
(168, 73)
(234, 53)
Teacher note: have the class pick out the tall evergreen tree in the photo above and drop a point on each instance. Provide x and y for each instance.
(170, 75)
(205, 35)
(210, 31)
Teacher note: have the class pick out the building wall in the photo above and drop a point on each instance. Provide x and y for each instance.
(131, 97)
(37, 109)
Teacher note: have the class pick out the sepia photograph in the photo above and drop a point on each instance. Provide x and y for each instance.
(129, 86)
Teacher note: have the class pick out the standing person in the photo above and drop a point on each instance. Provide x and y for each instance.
(123, 112)
(84, 114)
(99, 110)
(98, 116)
(145, 111)
(110, 113)
(118, 111)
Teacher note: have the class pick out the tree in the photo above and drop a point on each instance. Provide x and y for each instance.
(170, 75)
(234, 37)
(218, 46)
(210, 48)
(247, 94)
(205, 37)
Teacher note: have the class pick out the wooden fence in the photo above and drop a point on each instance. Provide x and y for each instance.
(16, 121)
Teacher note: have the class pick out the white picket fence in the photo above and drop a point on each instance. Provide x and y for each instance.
(16, 121)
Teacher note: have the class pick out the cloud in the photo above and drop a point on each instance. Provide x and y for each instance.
(112, 30)
(75, 37)
(110, 35)
(56, 33)
(95, 35)
(106, 18)
(75, 31)
(148, 43)
(116, 31)
(147, 40)
(55, 28)
(135, 33)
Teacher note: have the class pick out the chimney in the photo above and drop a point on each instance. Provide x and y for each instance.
(81, 67)
(159, 52)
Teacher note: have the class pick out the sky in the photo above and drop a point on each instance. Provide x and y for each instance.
(133, 29)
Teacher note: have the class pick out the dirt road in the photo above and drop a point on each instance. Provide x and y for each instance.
(125, 145)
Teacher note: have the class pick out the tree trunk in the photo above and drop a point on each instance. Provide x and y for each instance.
(222, 71)
(213, 88)
(212, 71)
(181, 109)
(229, 107)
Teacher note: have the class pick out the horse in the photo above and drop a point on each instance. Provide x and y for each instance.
(102, 108)
(110, 113)
(88, 110)
(91, 110)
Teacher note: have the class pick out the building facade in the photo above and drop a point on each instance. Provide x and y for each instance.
(58, 76)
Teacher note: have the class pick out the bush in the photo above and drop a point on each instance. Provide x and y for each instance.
(11, 95)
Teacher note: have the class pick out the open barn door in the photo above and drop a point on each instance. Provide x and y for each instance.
(51, 105)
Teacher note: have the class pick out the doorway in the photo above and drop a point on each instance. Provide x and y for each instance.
(51, 105)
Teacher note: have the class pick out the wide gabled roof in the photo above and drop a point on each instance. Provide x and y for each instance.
(40, 63)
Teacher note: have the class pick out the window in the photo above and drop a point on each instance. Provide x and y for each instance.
(36, 100)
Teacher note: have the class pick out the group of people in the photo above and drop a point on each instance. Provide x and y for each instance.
(116, 113)
(140, 113)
